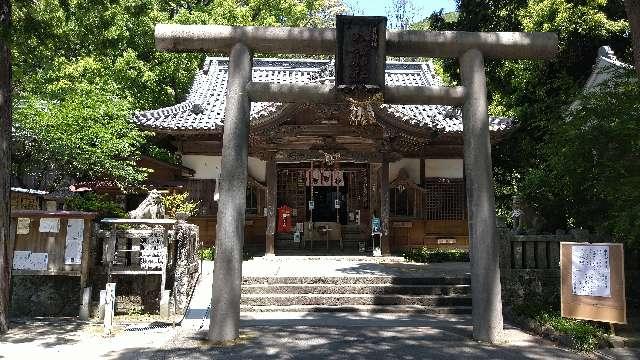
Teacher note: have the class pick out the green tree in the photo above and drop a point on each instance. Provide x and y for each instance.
(537, 93)
(590, 169)
(82, 68)
(6, 248)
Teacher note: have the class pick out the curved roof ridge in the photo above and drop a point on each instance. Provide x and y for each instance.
(203, 108)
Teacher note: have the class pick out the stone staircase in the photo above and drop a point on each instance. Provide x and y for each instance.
(380, 294)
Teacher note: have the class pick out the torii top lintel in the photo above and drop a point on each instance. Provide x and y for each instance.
(399, 43)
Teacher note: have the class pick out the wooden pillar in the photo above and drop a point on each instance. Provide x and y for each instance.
(227, 277)
(485, 269)
(423, 172)
(272, 198)
(384, 207)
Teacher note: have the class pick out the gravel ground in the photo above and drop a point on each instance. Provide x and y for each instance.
(279, 336)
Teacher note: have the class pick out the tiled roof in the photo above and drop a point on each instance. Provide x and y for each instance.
(203, 110)
(29, 191)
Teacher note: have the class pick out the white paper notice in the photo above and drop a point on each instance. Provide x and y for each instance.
(590, 270)
(51, 225)
(152, 253)
(22, 228)
(26, 260)
(73, 247)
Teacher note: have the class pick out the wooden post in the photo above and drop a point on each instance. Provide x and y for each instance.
(109, 307)
(485, 268)
(272, 198)
(311, 230)
(6, 253)
(384, 207)
(84, 271)
(423, 172)
(227, 277)
(165, 262)
(110, 251)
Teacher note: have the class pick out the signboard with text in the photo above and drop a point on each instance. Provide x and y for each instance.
(592, 282)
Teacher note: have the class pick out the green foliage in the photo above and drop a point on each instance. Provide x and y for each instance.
(207, 253)
(162, 154)
(584, 335)
(80, 69)
(537, 94)
(179, 203)
(426, 255)
(590, 174)
(101, 204)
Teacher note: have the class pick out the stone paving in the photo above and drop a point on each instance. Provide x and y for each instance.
(348, 266)
(283, 336)
(290, 335)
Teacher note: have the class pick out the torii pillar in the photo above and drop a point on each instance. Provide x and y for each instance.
(373, 44)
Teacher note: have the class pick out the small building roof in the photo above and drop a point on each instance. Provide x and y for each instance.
(203, 109)
(607, 65)
(29, 191)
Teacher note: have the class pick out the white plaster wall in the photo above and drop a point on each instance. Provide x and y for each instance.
(411, 166)
(205, 166)
(258, 169)
(208, 167)
(444, 168)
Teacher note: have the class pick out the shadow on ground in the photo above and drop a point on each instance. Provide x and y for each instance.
(353, 336)
(47, 333)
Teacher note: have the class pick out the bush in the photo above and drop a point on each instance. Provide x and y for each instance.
(585, 336)
(207, 253)
(179, 203)
(426, 255)
(101, 204)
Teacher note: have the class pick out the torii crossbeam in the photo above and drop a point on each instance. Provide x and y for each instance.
(361, 45)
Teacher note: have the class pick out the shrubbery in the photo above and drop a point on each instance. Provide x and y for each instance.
(585, 336)
(426, 255)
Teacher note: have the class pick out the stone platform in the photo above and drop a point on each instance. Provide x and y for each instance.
(341, 266)
(342, 284)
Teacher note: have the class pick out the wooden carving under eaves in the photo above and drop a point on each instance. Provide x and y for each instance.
(251, 181)
(403, 179)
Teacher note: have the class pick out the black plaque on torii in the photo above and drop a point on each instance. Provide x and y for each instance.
(360, 53)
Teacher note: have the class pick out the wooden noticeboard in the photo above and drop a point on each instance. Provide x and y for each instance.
(611, 308)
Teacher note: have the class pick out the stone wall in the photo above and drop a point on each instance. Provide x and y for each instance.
(52, 295)
(530, 269)
(39, 295)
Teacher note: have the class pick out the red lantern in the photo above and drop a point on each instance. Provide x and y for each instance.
(284, 219)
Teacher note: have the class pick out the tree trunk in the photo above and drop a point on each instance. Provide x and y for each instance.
(5, 162)
(633, 12)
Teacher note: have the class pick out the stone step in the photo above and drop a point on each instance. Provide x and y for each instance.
(354, 299)
(380, 289)
(369, 280)
(401, 309)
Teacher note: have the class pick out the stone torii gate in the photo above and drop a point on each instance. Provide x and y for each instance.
(360, 45)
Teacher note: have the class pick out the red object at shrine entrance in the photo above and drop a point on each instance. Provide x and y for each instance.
(284, 219)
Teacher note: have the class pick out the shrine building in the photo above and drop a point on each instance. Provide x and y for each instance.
(330, 168)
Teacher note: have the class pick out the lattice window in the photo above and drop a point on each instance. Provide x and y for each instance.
(358, 194)
(252, 201)
(291, 191)
(405, 202)
(444, 199)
